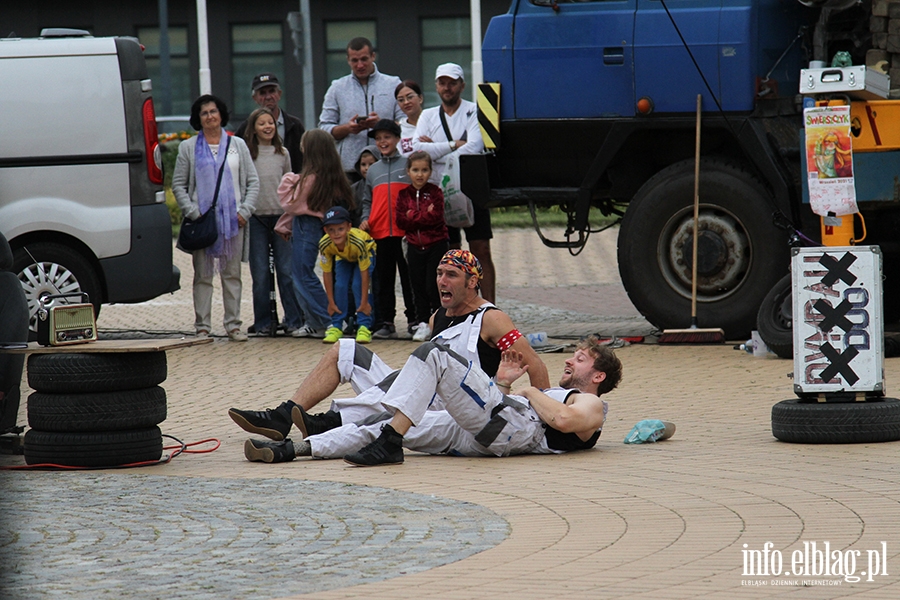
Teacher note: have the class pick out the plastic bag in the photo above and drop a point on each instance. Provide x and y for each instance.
(649, 430)
(458, 209)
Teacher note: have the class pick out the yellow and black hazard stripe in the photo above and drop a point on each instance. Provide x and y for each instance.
(489, 114)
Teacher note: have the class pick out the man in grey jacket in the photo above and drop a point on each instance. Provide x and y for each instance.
(356, 102)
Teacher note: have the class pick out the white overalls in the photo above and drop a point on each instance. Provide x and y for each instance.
(477, 420)
(370, 377)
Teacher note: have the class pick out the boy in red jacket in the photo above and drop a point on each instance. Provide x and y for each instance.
(384, 180)
(420, 212)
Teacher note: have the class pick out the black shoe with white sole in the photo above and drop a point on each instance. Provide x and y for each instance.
(387, 449)
(274, 423)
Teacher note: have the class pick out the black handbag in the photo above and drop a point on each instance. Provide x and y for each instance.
(202, 232)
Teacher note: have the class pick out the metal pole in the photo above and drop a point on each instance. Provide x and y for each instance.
(309, 106)
(165, 69)
(477, 65)
(203, 44)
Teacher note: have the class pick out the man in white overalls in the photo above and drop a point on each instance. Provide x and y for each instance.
(465, 323)
(479, 415)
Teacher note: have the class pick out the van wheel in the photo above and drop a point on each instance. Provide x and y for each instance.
(56, 269)
(94, 449)
(741, 252)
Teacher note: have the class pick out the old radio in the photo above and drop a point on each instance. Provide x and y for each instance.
(66, 323)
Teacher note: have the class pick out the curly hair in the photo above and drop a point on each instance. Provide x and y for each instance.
(206, 99)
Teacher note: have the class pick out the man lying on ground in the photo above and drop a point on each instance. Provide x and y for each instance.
(479, 418)
(465, 323)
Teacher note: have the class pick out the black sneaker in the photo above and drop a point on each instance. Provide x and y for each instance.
(386, 450)
(315, 424)
(269, 452)
(275, 423)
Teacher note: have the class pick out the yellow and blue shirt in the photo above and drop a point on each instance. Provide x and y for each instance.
(359, 248)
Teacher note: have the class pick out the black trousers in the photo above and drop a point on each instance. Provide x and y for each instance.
(423, 264)
(388, 261)
(13, 328)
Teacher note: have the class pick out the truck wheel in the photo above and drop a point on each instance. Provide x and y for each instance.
(101, 411)
(741, 253)
(811, 422)
(775, 319)
(95, 372)
(56, 269)
(95, 449)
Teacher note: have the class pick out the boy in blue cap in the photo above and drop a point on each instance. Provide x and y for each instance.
(349, 253)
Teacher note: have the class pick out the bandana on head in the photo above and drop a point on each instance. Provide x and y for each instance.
(465, 260)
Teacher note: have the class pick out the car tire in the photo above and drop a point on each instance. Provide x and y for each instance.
(811, 422)
(93, 449)
(55, 269)
(101, 411)
(741, 252)
(74, 373)
(775, 319)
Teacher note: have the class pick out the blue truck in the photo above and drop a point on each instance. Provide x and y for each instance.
(598, 108)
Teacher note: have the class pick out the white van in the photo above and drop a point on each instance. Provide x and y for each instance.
(81, 198)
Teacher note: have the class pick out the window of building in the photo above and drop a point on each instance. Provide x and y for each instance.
(255, 49)
(174, 98)
(444, 40)
(337, 35)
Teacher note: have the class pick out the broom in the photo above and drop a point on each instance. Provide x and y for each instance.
(693, 334)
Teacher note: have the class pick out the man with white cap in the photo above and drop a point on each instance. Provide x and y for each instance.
(453, 127)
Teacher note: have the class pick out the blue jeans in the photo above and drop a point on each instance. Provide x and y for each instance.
(346, 276)
(305, 236)
(262, 235)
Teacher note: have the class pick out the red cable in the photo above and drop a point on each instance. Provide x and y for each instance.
(183, 449)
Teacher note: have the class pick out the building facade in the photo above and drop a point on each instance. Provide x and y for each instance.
(411, 38)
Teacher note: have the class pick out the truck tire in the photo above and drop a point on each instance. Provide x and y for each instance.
(95, 372)
(775, 319)
(94, 449)
(741, 252)
(101, 411)
(811, 422)
(55, 269)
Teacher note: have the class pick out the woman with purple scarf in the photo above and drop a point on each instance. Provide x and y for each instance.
(194, 183)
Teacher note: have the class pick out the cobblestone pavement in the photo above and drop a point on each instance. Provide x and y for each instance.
(104, 536)
(677, 519)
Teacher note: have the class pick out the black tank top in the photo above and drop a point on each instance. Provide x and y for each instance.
(489, 357)
(568, 442)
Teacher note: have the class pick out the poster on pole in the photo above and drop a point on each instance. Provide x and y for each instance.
(829, 160)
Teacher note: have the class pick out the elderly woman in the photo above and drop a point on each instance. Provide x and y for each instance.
(409, 98)
(194, 183)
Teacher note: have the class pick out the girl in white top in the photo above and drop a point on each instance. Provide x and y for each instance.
(272, 161)
(409, 97)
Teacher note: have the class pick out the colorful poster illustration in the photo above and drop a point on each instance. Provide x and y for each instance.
(829, 160)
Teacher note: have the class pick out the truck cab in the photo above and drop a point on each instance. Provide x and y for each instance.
(598, 107)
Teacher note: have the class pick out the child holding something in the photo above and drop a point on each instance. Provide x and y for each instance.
(420, 213)
(349, 253)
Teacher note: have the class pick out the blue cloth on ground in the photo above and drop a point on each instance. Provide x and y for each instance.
(648, 430)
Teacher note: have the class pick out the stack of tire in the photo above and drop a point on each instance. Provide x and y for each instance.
(95, 409)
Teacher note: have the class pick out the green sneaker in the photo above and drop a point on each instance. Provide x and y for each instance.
(363, 335)
(332, 335)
